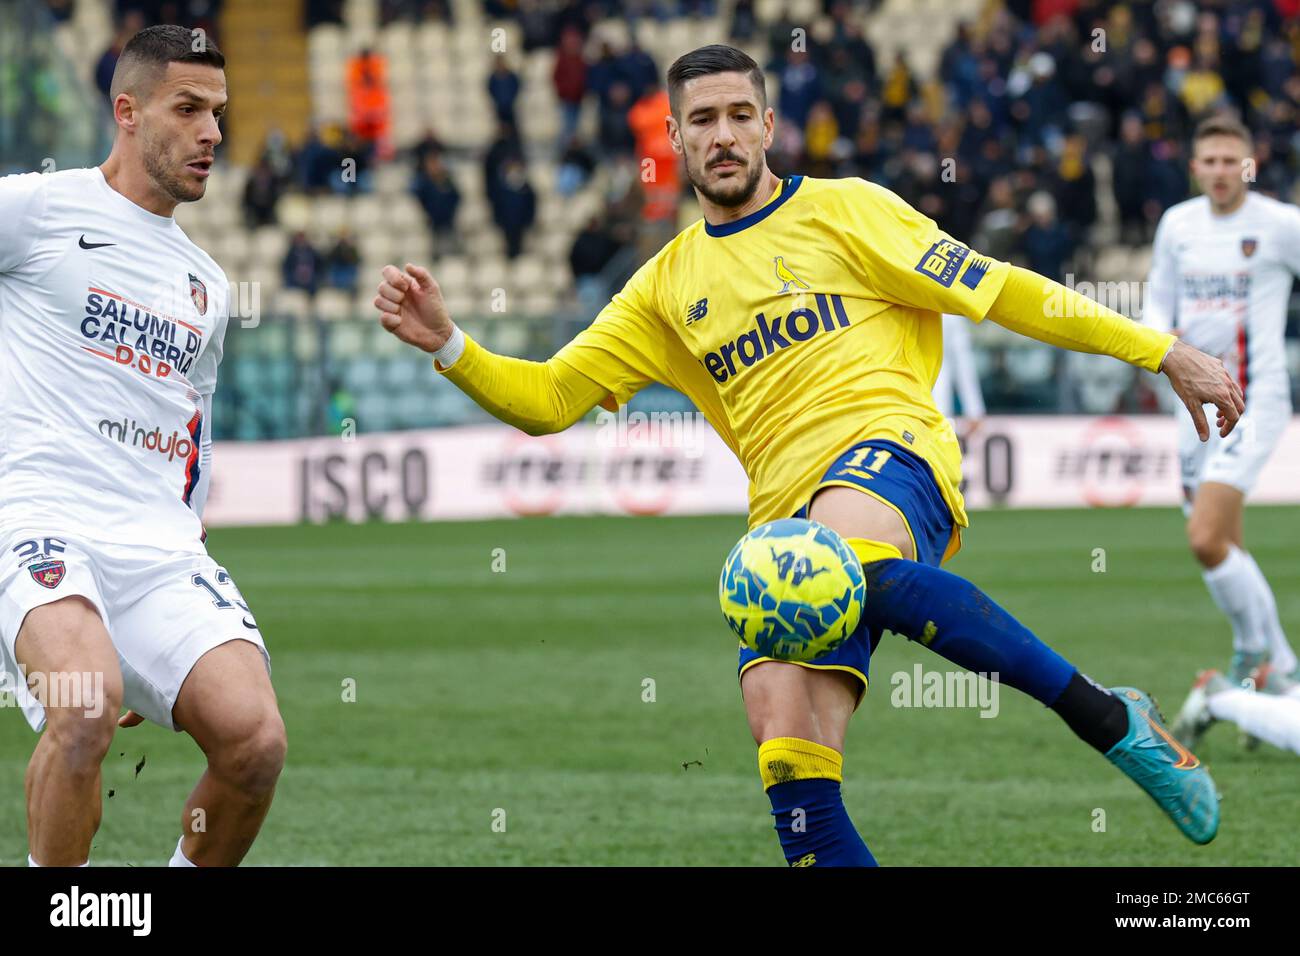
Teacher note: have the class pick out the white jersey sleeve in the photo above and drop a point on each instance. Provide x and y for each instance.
(22, 202)
(1162, 283)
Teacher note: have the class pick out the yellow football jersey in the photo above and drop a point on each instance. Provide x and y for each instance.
(800, 330)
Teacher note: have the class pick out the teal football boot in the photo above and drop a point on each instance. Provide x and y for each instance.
(1170, 773)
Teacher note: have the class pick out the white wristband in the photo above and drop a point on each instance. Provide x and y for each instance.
(451, 350)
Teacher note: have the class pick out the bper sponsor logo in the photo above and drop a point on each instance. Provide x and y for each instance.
(128, 432)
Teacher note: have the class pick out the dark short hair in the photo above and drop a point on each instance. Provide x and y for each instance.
(146, 55)
(708, 60)
(1222, 124)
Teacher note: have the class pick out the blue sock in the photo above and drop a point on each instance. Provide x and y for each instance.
(957, 620)
(823, 834)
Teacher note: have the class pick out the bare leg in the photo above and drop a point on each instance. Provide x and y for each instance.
(63, 642)
(228, 706)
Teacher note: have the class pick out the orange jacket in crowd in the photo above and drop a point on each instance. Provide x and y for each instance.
(369, 111)
(661, 180)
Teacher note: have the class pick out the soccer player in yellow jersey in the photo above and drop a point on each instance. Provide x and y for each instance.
(802, 316)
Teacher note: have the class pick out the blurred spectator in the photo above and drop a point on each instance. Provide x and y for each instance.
(616, 136)
(317, 12)
(1076, 187)
(1046, 244)
(820, 134)
(1039, 105)
(132, 23)
(797, 77)
(302, 265)
(261, 193)
(592, 250)
(576, 166)
(505, 147)
(538, 21)
(1202, 88)
(1131, 179)
(358, 157)
(898, 89)
(514, 205)
(343, 263)
(744, 22)
(603, 73)
(437, 193)
(638, 70)
(503, 88)
(570, 78)
(369, 110)
(277, 154)
(320, 158)
(428, 143)
(659, 164)
(995, 235)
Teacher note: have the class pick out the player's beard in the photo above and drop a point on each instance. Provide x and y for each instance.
(735, 195)
(159, 164)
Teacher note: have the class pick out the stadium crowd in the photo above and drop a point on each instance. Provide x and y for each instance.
(998, 147)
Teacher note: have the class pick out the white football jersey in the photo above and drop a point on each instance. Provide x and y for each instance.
(1224, 282)
(111, 325)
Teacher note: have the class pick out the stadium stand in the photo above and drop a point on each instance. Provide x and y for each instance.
(337, 106)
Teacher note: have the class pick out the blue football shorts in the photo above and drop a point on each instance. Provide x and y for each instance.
(903, 480)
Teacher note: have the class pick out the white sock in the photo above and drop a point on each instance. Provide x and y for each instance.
(178, 858)
(1272, 719)
(32, 862)
(1233, 583)
(1282, 656)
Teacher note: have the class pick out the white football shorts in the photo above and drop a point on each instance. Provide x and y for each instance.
(163, 611)
(1236, 460)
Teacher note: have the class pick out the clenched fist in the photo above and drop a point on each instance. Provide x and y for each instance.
(410, 306)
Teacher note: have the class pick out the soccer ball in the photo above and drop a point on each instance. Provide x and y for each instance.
(792, 589)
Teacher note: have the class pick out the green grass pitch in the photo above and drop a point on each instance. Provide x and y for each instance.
(517, 698)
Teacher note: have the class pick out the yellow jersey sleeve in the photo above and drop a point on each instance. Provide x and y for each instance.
(627, 346)
(910, 261)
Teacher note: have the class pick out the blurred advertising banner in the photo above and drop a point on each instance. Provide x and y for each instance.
(671, 464)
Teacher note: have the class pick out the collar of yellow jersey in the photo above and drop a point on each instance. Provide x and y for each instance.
(789, 186)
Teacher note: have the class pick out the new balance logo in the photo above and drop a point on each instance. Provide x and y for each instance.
(697, 311)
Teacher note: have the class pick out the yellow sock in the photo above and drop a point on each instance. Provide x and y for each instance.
(783, 759)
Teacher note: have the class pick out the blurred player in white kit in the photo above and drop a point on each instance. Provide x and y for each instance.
(1221, 279)
(111, 327)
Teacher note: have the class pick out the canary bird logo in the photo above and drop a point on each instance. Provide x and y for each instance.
(787, 277)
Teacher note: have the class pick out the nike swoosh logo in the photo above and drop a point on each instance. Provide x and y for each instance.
(92, 245)
(1186, 759)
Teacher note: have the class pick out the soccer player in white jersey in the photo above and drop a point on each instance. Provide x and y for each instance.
(958, 378)
(1221, 279)
(112, 325)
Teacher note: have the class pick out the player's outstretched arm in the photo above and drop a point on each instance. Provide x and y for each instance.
(536, 397)
(1050, 312)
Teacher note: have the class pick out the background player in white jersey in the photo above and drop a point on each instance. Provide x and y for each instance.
(1221, 279)
(958, 378)
(111, 324)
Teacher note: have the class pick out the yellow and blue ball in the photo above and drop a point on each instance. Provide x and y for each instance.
(792, 589)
